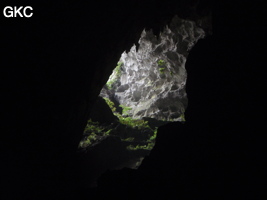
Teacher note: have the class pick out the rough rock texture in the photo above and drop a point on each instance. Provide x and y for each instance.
(152, 80)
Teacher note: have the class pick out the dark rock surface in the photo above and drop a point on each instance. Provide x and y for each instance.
(101, 112)
(55, 64)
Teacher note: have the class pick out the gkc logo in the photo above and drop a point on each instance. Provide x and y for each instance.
(20, 11)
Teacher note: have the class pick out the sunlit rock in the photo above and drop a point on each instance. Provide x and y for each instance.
(152, 80)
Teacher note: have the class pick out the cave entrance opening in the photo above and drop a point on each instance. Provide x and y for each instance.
(145, 90)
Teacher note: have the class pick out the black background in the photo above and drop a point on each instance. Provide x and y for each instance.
(53, 65)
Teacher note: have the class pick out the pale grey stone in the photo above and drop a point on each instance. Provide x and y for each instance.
(153, 89)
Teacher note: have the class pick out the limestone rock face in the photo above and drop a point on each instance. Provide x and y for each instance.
(151, 81)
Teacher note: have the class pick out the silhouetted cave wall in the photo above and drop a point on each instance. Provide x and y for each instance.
(54, 66)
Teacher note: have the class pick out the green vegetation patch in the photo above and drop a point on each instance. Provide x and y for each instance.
(149, 146)
(130, 139)
(161, 70)
(128, 121)
(161, 62)
(125, 109)
(182, 117)
(110, 104)
(134, 124)
(94, 131)
(115, 76)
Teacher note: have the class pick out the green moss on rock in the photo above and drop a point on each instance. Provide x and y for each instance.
(161, 62)
(115, 76)
(93, 130)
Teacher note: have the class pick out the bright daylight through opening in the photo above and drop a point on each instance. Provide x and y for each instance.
(145, 91)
